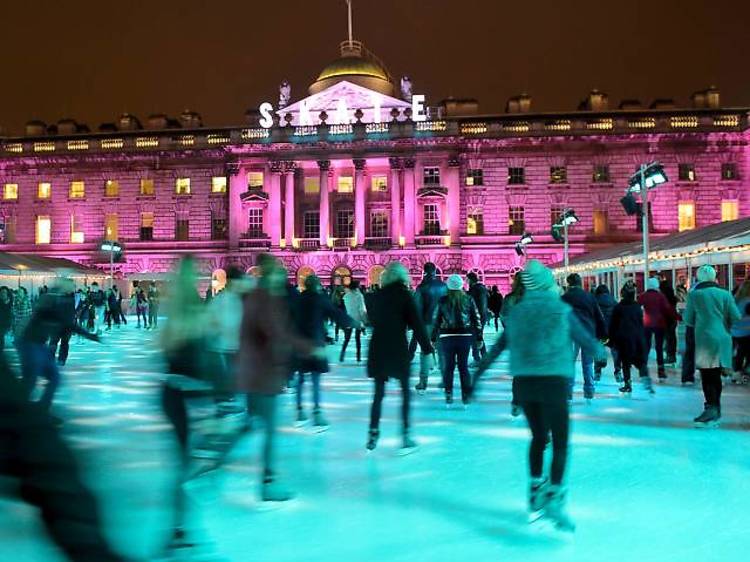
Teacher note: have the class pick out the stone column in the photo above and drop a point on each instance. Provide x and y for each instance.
(274, 204)
(325, 206)
(410, 202)
(453, 201)
(360, 200)
(237, 186)
(394, 183)
(289, 203)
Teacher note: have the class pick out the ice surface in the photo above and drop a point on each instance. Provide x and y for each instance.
(644, 484)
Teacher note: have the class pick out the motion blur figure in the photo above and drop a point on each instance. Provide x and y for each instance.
(354, 302)
(427, 296)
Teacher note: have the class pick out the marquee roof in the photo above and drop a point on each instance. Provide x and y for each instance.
(28, 264)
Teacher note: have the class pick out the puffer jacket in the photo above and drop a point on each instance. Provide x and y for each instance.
(456, 318)
(428, 295)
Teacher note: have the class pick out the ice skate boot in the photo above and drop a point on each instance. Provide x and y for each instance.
(709, 418)
(421, 386)
(408, 446)
(275, 492)
(648, 385)
(319, 421)
(537, 498)
(301, 418)
(448, 400)
(618, 376)
(372, 439)
(555, 510)
(515, 410)
(626, 388)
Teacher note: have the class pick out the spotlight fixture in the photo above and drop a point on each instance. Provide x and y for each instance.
(524, 241)
(650, 176)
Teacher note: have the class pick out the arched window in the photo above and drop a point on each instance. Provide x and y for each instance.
(303, 273)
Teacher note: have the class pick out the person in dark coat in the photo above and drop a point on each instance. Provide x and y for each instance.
(495, 305)
(627, 337)
(6, 314)
(606, 304)
(657, 316)
(313, 309)
(427, 296)
(62, 337)
(393, 310)
(478, 292)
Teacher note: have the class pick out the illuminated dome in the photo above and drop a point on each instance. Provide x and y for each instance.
(356, 65)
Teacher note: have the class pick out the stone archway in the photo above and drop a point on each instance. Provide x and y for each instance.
(341, 275)
(218, 280)
(303, 273)
(374, 275)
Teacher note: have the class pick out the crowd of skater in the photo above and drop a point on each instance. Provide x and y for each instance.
(260, 337)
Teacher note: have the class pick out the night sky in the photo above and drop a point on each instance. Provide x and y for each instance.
(92, 60)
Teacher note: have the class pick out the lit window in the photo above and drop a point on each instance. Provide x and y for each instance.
(182, 186)
(147, 186)
(379, 224)
(475, 177)
(516, 220)
(729, 171)
(311, 224)
(686, 172)
(255, 223)
(558, 174)
(379, 183)
(10, 191)
(111, 188)
(345, 184)
(218, 184)
(111, 225)
(312, 185)
(431, 175)
(147, 226)
(219, 227)
(181, 230)
(730, 210)
(255, 180)
(516, 176)
(601, 174)
(44, 190)
(601, 222)
(77, 190)
(43, 230)
(344, 224)
(686, 215)
(431, 220)
(76, 234)
(475, 223)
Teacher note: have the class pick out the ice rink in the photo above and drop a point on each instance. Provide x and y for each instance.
(644, 484)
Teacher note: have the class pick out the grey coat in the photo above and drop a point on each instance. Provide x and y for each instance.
(711, 311)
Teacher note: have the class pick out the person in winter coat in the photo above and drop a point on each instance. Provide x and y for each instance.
(627, 338)
(512, 299)
(670, 334)
(457, 323)
(657, 315)
(741, 334)
(588, 313)
(6, 314)
(268, 342)
(354, 304)
(711, 311)
(393, 310)
(427, 296)
(21, 312)
(313, 309)
(606, 304)
(495, 305)
(478, 292)
(540, 333)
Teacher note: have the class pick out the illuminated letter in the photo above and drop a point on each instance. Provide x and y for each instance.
(304, 115)
(375, 108)
(417, 108)
(266, 112)
(342, 112)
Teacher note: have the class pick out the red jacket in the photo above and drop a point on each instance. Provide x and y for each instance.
(657, 312)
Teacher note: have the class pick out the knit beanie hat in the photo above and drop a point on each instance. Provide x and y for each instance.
(455, 283)
(537, 277)
(652, 284)
(706, 273)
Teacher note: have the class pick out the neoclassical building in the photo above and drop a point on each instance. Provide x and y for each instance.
(363, 171)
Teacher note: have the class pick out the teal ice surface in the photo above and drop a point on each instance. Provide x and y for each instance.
(644, 484)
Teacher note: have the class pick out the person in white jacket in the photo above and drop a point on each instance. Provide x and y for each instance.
(354, 302)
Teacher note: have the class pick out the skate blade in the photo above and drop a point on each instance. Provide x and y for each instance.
(535, 516)
(707, 425)
(406, 451)
(320, 428)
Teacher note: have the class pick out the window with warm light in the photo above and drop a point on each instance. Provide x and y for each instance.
(111, 226)
(76, 234)
(312, 185)
(475, 223)
(111, 188)
(558, 174)
(379, 184)
(730, 210)
(686, 215)
(379, 224)
(43, 230)
(10, 191)
(254, 180)
(77, 190)
(431, 222)
(475, 177)
(219, 184)
(516, 220)
(345, 184)
(686, 172)
(601, 222)
(311, 224)
(255, 223)
(147, 226)
(147, 187)
(182, 186)
(44, 190)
